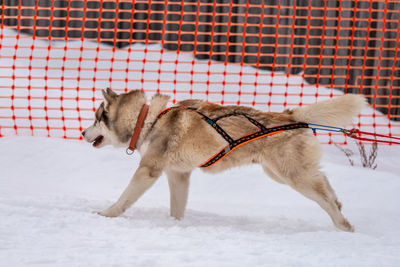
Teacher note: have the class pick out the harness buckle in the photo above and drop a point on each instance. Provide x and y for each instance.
(351, 133)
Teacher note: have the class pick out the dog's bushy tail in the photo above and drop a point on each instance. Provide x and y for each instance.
(338, 111)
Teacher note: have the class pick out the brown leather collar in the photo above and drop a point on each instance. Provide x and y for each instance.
(138, 129)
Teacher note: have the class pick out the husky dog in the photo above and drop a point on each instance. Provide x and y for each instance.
(179, 141)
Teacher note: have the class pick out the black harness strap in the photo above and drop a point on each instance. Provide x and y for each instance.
(165, 111)
(213, 123)
(218, 128)
(253, 121)
(238, 142)
(250, 137)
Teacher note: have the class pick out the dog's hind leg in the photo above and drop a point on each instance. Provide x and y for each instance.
(301, 171)
(179, 188)
(318, 189)
(315, 186)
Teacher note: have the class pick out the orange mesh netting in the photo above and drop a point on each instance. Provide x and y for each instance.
(56, 56)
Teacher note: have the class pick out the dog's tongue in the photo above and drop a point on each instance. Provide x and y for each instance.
(98, 140)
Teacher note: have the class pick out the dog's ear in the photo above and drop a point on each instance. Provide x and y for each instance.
(109, 95)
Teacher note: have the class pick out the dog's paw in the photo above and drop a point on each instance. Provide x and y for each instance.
(346, 226)
(106, 213)
(110, 212)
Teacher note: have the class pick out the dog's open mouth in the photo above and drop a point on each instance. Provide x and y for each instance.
(99, 139)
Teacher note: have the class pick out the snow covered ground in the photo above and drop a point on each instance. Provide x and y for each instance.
(49, 187)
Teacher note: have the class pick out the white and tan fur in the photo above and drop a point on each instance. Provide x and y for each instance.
(181, 140)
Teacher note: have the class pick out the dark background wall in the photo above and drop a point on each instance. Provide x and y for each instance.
(348, 45)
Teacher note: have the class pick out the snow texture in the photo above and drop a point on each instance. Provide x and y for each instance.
(49, 188)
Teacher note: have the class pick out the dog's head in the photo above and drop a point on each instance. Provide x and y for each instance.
(115, 118)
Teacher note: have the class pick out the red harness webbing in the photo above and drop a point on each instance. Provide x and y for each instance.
(357, 134)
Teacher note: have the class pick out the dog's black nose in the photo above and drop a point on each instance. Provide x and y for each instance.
(83, 133)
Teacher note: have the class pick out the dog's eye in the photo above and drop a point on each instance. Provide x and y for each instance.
(104, 118)
(101, 117)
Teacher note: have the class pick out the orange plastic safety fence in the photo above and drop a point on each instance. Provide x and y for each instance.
(56, 56)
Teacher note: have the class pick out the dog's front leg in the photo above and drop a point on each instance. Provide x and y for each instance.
(179, 188)
(144, 177)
